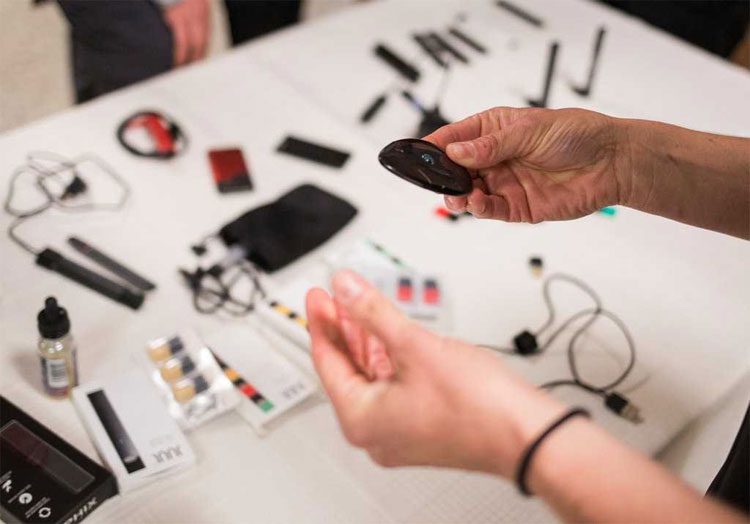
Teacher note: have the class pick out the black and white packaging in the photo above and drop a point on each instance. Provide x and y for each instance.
(132, 429)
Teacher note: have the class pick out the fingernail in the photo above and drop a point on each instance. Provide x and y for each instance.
(348, 286)
(454, 204)
(460, 150)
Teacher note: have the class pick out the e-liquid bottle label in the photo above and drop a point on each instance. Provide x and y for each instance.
(56, 375)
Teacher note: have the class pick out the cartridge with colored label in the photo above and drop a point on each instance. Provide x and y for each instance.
(190, 379)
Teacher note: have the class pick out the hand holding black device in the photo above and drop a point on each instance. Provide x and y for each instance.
(424, 164)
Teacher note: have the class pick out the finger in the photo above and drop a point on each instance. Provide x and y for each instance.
(179, 39)
(337, 373)
(204, 30)
(198, 37)
(354, 337)
(482, 205)
(457, 204)
(201, 46)
(368, 307)
(490, 149)
(466, 129)
(378, 361)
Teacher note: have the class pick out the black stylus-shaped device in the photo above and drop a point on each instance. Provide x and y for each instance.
(403, 67)
(373, 108)
(107, 262)
(54, 261)
(468, 40)
(442, 42)
(542, 102)
(520, 13)
(586, 89)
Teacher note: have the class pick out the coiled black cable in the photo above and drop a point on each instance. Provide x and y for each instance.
(591, 315)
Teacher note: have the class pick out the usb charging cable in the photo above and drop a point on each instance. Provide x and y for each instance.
(527, 343)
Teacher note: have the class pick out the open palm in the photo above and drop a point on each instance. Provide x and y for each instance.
(531, 165)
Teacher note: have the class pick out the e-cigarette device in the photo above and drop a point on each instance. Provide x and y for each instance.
(116, 431)
(107, 262)
(54, 261)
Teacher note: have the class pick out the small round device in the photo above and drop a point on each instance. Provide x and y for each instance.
(425, 165)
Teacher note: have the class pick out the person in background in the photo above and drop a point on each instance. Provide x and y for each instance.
(411, 397)
(116, 43)
(718, 26)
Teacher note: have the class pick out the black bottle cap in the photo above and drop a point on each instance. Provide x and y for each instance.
(53, 321)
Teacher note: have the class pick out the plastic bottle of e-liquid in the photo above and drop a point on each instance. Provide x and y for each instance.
(57, 350)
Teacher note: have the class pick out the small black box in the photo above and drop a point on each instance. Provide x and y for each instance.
(42, 477)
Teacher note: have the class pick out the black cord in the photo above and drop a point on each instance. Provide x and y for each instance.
(212, 290)
(613, 400)
(546, 294)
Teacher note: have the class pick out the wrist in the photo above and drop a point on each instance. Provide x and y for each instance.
(561, 453)
(519, 418)
(628, 163)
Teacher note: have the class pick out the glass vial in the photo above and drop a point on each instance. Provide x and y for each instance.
(57, 350)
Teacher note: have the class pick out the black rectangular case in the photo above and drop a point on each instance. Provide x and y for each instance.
(43, 479)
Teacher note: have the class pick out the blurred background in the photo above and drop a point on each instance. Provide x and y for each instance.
(36, 61)
(37, 42)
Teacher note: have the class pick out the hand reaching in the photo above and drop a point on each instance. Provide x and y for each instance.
(190, 23)
(411, 397)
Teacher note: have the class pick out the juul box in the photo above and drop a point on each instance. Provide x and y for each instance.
(43, 479)
(132, 429)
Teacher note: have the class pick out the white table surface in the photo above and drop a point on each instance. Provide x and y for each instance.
(683, 292)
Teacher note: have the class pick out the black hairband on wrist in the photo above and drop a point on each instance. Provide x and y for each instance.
(525, 463)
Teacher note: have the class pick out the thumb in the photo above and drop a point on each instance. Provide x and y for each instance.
(366, 306)
(487, 150)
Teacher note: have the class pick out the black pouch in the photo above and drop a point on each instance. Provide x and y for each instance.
(280, 232)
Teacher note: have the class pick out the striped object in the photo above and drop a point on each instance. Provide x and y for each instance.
(287, 312)
(244, 386)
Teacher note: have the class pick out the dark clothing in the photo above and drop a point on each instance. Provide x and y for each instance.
(715, 25)
(115, 44)
(248, 20)
(732, 483)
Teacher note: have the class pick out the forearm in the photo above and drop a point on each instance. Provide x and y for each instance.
(692, 177)
(585, 475)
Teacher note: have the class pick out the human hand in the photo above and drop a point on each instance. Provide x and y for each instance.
(410, 397)
(531, 165)
(190, 23)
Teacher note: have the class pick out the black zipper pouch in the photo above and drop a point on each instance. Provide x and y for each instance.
(278, 233)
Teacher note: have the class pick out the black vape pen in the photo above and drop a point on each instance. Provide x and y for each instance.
(116, 431)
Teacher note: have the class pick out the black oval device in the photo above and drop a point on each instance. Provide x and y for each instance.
(425, 165)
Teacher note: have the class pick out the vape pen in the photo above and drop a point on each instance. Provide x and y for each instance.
(116, 431)
(112, 265)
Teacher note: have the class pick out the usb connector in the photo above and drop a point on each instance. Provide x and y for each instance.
(623, 407)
